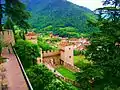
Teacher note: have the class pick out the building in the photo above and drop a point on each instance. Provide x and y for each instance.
(63, 56)
(32, 37)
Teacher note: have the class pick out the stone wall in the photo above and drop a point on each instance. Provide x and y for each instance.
(8, 37)
(50, 53)
(67, 55)
(51, 57)
(68, 80)
(71, 68)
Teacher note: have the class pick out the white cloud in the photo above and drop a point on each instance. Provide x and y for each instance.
(91, 4)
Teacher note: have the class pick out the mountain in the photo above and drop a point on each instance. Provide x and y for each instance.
(59, 14)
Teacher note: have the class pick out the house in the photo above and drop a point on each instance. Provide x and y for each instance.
(32, 37)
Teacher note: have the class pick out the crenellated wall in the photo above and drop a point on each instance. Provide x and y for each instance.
(7, 36)
(64, 56)
(50, 53)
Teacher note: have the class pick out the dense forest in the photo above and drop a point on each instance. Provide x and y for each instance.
(60, 16)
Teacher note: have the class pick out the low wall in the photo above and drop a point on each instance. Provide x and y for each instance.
(7, 37)
(50, 53)
(71, 68)
(68, 80)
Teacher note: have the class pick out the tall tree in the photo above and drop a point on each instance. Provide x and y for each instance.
(15, 12)
(28, 52)
(104, 51)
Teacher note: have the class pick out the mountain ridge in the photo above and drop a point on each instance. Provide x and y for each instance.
(59, 13)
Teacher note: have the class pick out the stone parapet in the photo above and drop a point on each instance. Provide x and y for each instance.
(50, 53)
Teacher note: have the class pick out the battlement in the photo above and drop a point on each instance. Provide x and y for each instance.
(7, 36)
(50, 53)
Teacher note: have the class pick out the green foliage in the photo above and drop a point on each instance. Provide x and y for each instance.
(44, 45)
(81, 62)
(66, 73)
(42, 79)
(104, 51)
(15, 11)
(105, 55)
(60, 85)
(79, 52)
(1, 45)
(87, 77)
(76, 52)
(53, 15)
(27, 52)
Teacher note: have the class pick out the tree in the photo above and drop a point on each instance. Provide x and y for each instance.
(44, 45)
(27, 52)
(111, 11)
(40, 77)
(15, 12)
(43, 79)
(104, 51)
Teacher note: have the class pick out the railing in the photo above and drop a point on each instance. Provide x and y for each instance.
(23, 71)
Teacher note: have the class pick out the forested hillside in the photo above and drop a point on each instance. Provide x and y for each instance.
(60, 14)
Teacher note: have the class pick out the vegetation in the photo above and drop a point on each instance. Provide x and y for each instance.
(42, 79)
(27, 52)
(101, 72)
(80, 61)
(104, 51)
(77, 52)
(15, 13)
(61, 17)
(1, 46)
(44, 45)
(66, 73)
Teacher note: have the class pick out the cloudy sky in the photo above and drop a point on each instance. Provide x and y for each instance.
(91, 4)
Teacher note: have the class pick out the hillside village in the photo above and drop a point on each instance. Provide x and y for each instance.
(64, 55)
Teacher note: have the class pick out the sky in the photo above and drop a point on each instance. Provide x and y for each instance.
(91, 4)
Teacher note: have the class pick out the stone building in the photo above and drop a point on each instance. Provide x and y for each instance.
(32, 37)
(66, 53)
(63, 56)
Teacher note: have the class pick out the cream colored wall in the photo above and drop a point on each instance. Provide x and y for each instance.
(67, 55)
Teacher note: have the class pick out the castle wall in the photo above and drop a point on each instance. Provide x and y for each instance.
(7, 37)
(54, 60)
(50, 53)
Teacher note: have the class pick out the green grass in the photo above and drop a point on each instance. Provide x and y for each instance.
(80, 61)
(66, 73)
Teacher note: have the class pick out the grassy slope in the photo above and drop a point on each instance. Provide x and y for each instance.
(66, 73)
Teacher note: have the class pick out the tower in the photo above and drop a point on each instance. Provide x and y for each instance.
(66, 53)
